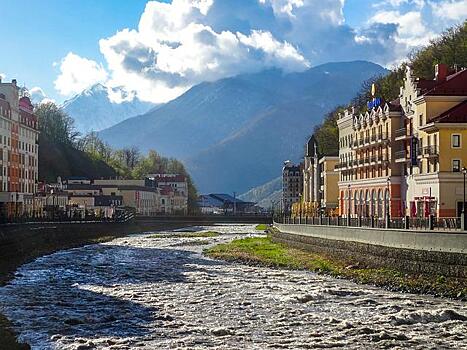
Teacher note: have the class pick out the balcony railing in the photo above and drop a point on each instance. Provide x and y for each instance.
(400, 154)
(430, 151)
(382, 136)
(401, 132)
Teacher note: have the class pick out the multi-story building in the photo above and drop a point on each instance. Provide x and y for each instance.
(432, 142)
(311, 172)
(320, 192)
(18, 150)
(369, 179)
(292, 185)
(404, 157)
(328, 190)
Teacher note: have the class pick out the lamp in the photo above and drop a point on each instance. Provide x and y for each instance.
(463, 218)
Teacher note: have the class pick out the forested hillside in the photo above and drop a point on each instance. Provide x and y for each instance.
(64, 152)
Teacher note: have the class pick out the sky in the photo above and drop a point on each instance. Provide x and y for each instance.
(156, 50)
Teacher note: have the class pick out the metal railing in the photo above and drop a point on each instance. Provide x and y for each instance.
(401, 223)
(430, 151)
(401, 132)
(400, 154)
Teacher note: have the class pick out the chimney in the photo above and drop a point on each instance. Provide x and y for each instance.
(13, 82)
(441, 72)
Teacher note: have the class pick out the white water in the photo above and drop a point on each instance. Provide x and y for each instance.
(144, 293)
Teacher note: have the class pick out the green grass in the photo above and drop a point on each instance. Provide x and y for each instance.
(261, 227)
(204, 234)
(263, 251)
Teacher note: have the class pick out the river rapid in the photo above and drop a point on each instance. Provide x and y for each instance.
(141, 292)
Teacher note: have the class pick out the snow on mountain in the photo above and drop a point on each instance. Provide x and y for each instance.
(93, 110)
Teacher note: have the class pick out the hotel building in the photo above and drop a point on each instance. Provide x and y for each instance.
(292, 185)
(404, 157)
(18, 150)
(369, 180)
(432, 142)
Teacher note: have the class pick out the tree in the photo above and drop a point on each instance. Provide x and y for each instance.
(55, 124)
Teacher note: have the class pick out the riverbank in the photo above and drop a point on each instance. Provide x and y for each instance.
(22, 244)
(263, 251)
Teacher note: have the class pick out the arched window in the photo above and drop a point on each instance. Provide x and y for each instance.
(373, 203)
(355, 202)
(367, 203)
(380, 203)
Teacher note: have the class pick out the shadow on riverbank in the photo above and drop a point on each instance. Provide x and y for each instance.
(22, 244)
(82, 293)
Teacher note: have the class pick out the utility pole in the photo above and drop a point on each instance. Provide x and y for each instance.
(463, 214)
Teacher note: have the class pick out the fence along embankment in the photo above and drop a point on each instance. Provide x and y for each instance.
(411, 251)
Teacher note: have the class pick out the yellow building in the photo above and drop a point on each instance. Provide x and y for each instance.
(328, 189)
(432, 149)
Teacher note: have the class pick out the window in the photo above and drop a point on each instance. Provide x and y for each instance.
(456, 165)
(456, 141)
(420, 120)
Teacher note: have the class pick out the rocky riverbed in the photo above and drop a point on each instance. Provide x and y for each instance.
(145, 292)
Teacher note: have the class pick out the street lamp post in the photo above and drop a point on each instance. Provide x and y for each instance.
(463, 214)
(348, 206)
(388, 210)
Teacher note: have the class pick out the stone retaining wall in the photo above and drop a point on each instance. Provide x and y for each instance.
(329, 241)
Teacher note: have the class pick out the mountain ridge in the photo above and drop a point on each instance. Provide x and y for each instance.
(92, 109)
(233, 134)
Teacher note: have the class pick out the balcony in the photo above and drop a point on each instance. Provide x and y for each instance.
(400, 133)
(400, 156)
(430, 151)
(341, 165)
(382, 137)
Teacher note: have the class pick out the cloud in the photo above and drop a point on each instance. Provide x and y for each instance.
(454, 10)
(176, 47)
(2, 76)
(78, 73)
(38, 96)
(185, 42)
(411, 30)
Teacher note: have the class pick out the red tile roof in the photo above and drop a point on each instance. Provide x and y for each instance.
(454, 85)
(457, 114)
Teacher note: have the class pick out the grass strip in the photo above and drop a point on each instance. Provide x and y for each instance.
(263, 251)
(261, 227)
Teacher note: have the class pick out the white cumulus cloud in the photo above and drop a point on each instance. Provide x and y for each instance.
(78, 73)
(181, 43)
(454, 10)
(175, 48)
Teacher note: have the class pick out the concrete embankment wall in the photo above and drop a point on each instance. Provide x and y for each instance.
(410, 251)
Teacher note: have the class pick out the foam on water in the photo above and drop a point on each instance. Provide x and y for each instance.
(140, 292)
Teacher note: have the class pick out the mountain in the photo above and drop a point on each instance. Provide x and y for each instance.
(265, 195)
(92, 109)
(233, 134)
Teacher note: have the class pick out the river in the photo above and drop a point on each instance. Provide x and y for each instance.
(141, 292)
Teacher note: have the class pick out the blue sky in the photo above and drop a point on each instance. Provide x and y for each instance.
(63, 46)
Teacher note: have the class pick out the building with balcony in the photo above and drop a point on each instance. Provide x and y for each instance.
(328, 191)
(369, 179)
(405, 157)
(292, 185)
(19, 134)
(433, 149)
